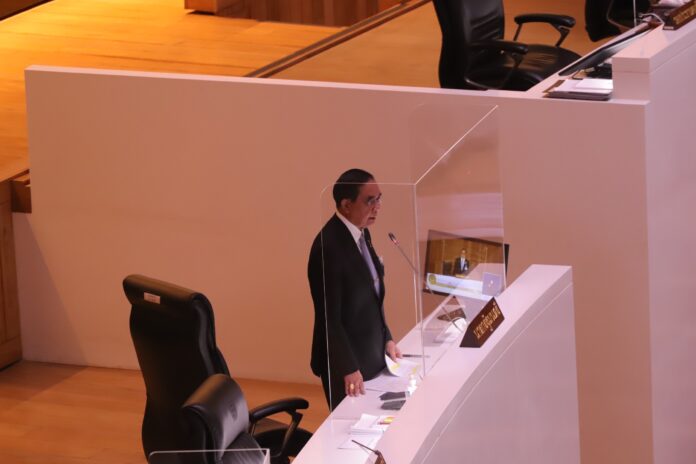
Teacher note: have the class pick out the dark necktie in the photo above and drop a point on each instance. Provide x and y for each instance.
(365, 252)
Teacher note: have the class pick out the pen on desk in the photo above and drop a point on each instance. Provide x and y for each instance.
(409, 355)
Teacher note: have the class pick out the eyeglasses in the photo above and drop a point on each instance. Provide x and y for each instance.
(372, 201)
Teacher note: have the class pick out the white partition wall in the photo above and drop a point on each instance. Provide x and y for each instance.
(210, 183)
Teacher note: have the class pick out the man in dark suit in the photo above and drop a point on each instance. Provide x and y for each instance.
(461, 264)
(345, 274)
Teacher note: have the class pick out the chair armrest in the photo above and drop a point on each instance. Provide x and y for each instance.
(562, 23)
(559, 20)
(285, 405)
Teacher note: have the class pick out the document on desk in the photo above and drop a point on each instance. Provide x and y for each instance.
(387, 383)
(371, 425)
(581, 89)
(367, 430)
(402, 367)
(395, 377)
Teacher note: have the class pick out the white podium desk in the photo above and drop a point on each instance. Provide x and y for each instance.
(513, 400)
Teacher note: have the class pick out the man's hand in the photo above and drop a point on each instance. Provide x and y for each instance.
(354, 384)
(392, 350)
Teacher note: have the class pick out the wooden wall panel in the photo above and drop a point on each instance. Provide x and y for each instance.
(326, 12)
(10, 7)
(10, 342)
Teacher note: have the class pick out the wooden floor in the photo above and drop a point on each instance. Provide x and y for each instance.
(56, 414)
(405, 51)
(152, 35)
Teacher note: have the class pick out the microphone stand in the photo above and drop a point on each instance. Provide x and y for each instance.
(394, 240)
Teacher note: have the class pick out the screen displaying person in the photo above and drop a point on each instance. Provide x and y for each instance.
(346, 279)
(461, 264)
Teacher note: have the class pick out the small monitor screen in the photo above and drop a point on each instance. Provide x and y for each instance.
(464, 266)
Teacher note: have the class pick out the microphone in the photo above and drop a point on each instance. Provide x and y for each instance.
(380, 456)
(392, 237)
(394, 240)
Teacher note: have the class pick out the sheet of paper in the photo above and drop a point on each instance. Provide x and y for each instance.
(402, 367)
(600, 86)
(371, 425)
(385, 383)
(595, 84)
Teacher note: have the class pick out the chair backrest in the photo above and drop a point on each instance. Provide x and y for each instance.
(174, 337)
(462, 22)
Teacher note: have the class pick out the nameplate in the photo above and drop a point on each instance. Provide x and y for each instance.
(675, 18)
(483, 325)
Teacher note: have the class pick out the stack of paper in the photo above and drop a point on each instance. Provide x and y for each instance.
(581, 89)
(367, 430)
(370, 425)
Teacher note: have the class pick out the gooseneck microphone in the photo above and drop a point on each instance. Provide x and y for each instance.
(394, 240)
(392, 237)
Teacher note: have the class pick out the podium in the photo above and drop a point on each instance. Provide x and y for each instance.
(512, 400)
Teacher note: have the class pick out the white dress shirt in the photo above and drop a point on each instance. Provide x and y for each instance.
(354, 230)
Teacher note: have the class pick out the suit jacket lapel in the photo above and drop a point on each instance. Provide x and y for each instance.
(353, 253)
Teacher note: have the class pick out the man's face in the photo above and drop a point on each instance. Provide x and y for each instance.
(363, 211)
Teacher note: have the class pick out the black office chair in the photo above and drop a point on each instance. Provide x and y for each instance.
(474, 56)
(173, 332)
